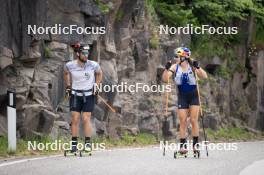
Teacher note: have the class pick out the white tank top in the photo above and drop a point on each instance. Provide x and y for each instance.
(186, 81)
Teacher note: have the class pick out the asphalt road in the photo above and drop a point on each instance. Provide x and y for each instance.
(248, 159)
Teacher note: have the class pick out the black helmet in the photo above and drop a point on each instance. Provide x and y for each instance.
(78, 47)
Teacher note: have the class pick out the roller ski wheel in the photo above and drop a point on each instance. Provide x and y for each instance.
(181, 153)
(85, 152)
(70, 153)
(175, 155)
(196, 154)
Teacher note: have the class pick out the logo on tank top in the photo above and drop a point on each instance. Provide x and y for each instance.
(87, 75)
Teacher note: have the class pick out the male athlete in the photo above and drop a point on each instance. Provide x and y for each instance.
(81, 76)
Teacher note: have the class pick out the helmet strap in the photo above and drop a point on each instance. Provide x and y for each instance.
(182, 59)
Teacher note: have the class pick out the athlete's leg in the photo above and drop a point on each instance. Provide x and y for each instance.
(75, 123)
(87, 109)
(86, 116)
(183, 114)
(194, 114)
(75, 129)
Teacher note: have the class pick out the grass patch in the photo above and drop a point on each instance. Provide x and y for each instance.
(47, 52)
(119, 15)
(141, 139)
(154, 40)
(230, 134)
(223, 72)
(104, 8)
(22, 147)
(259, 33)
(150, 11)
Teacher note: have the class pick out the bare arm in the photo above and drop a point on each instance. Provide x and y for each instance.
(98, 76)
(67, 78)
(201, 73)
(168, 73)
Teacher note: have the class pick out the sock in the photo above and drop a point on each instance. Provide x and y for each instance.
(182, 142)
(195, 140)
(87, 140)
(74, 143)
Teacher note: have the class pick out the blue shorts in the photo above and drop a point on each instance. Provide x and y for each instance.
(79, 104)
(187, 99)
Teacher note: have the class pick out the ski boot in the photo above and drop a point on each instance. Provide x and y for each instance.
(87, 150)
(72, 152)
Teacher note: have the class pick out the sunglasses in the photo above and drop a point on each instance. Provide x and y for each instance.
(85, 53)
(175, 56)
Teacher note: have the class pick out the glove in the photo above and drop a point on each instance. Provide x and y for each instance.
(196, 64)
(68, 91)
(95, 90)
(168, 65)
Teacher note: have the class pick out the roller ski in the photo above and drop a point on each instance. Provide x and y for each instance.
(72, 152)
(183, 150)
(196, 152)
(181, 153)
(87, 150)
(184, 153)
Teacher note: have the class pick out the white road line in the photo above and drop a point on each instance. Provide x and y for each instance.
(256, 168)
(47, 157)
(25, 160)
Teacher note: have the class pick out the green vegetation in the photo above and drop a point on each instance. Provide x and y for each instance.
(47, 52)
(259, 36)
(151, 13)
(141, 139)
(119, 15)
(22, 145)
(223, 72)
(104, 8)
(154, 40)
(216, 14)
(150, 10)
(230, 134)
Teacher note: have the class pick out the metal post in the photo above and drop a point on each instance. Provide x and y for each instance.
(11, 118)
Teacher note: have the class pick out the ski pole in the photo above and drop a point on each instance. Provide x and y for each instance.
(110, 107)
(201, 114)
(166, 117)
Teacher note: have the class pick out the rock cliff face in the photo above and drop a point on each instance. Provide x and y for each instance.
(33, 65)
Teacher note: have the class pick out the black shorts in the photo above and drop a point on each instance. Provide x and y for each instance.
(78, 104)
(187, 99)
